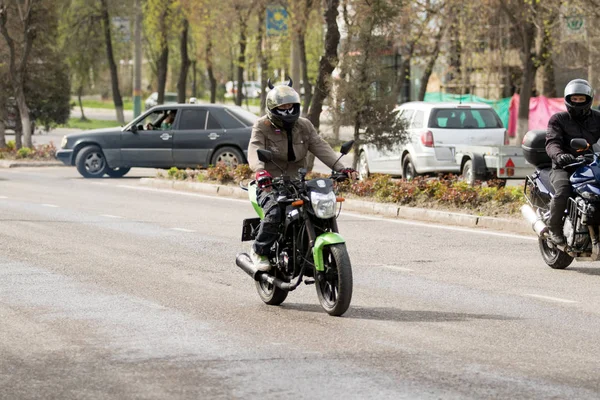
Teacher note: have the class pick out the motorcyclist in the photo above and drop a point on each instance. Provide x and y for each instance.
(579, 121)
(289, 138)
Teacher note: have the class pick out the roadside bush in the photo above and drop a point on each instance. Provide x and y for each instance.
(43, 152)
(449, 191)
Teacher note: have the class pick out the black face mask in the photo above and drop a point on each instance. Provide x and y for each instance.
(579, 112)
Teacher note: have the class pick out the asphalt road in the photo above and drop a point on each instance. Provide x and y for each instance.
(113, 290)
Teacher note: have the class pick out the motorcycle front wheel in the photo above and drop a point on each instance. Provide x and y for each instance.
(271, 294)
(334, 288)
(555, 258)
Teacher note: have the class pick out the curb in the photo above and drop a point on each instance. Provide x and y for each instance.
(512, 225)
(15, 164)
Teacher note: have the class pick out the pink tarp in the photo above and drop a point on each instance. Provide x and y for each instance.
(540, 110)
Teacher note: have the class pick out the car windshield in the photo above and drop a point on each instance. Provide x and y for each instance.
(464, 118)
(244, 116)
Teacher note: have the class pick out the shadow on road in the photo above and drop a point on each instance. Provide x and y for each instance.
(588, 271)
(399, 315)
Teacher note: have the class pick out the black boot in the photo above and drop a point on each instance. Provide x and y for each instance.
(556, 237)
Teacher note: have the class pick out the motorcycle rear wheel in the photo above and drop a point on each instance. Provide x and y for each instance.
(335, 290)
(554, 257)
(271, 294)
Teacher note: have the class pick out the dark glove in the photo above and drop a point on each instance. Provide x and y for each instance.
(564, 159)
(263, 178)
(350, 172)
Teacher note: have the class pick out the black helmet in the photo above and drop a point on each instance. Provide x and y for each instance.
(580, 87)
(279, 95)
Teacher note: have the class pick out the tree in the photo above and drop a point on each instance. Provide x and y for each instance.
(24, 18)
(366, 92)
(185, 62)
(81, 24)
(243, 10)
(116, 92)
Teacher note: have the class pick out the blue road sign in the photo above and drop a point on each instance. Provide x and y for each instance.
(277, 18)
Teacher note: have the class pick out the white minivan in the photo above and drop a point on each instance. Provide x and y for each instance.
(433, 129)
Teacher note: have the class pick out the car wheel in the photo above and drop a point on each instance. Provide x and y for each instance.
(363, 166)
(117, 172)
(90, 162)
(409, 171)
(230, 156)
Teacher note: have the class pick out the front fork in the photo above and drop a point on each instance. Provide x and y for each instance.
(319, 242)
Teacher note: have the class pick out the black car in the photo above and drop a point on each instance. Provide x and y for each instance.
(200, 135)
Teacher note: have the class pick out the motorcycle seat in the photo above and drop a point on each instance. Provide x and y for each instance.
(545, 179)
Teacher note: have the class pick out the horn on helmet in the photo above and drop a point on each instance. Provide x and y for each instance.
(269, 84)
(290, 82)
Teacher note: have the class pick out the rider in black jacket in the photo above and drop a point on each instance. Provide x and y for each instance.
(579, 121)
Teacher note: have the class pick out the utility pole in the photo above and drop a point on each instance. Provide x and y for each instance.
(137, 85)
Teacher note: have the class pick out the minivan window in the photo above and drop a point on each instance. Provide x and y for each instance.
(453, 118)
(406, 115)
(417, 121)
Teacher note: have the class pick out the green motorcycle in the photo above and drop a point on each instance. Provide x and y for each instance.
(309, 247)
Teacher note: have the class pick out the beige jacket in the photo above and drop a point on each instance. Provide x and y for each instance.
(305, 137)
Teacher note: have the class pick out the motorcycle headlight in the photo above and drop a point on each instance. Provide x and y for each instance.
(63, 142)
(323, 204)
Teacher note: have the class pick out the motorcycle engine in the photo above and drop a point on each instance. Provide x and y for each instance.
(283, 261)
(569, 229)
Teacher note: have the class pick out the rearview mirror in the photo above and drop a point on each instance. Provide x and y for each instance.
(265, 155)
(346, 147)
(579, 144)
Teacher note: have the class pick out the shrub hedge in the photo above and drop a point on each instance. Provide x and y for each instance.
(449, 192)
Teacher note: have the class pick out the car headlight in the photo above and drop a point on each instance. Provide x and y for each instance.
(323, 204)
(63, 142)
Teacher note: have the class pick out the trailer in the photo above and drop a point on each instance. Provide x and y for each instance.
(480, 163)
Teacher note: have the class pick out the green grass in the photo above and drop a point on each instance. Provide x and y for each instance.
(89, 124)
(127, 104)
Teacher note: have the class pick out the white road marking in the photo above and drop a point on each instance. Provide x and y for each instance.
(351, 214)
(110, 216)
(183, 193)
(182, 230)
(557, 299)
(49, 205)
(449, 228)
(396, 268)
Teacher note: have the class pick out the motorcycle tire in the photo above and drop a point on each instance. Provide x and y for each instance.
(335, 289)
(555, 258)
(271, 294)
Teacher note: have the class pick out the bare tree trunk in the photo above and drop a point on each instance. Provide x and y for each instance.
(210, 71)
(241, 62)
(304, 67)
(17, 72)
(79, 94)
(162, 70)
(185, 63)
(327, 64)
(526, 83)
(264, 65)
(430, 64)
(117, 99)
(194, 79)
(2, 127)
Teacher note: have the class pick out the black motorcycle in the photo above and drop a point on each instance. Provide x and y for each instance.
(309, 246)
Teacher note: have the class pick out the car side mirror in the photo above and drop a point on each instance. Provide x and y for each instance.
(265, 155)
(579, 144)
(346, 147)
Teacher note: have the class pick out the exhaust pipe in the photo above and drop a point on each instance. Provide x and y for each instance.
(538, 226)
(245, 263)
